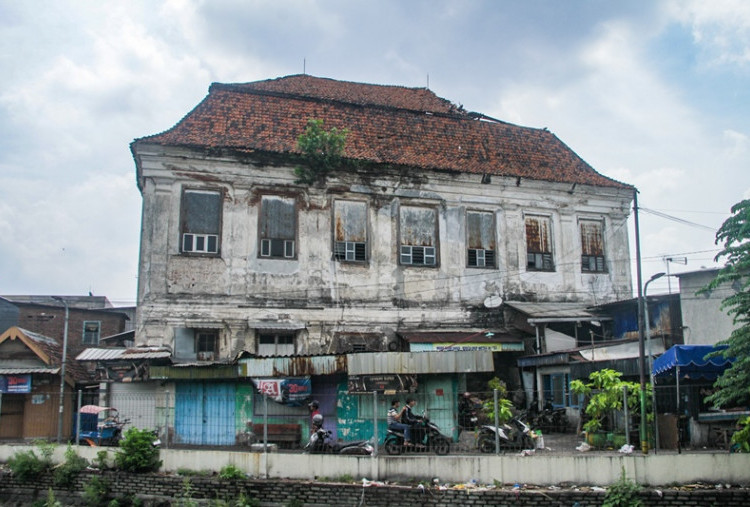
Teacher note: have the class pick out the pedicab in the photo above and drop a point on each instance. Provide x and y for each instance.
(100, 426)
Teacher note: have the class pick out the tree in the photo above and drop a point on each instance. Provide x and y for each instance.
(733, 386)
(323, 151)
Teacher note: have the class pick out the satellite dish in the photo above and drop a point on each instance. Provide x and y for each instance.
(493, 301)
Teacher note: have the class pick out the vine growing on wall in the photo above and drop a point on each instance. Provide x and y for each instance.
(322, 151)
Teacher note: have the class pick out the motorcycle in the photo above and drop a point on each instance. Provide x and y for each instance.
(433, 439)
(320, 443)
(515, 435)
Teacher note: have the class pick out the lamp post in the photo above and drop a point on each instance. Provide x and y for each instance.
(647, 330)
(62, 370)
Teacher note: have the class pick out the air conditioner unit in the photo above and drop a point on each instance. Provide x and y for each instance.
(205, 356)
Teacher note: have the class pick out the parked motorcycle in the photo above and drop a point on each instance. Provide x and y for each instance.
(432, 439)
(321, 443)
(513, 435)
(550, 419)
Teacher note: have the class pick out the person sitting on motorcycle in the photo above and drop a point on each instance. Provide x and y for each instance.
(395, 424)
(466, 412)
(408, 417)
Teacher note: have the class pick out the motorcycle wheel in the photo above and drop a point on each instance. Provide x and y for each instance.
(528, 442)
(441, 446)
(392, 447)
(486, 444)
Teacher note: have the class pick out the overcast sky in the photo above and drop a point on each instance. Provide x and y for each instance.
(652, 93)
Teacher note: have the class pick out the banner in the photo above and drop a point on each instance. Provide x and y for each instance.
(385, 384)
(294, 392)
(13, 384)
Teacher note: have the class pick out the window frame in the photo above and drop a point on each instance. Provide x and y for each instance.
(406, 251)
(480, 252)
(85, 333)
(276, 334)
(599, 259)
(543, 260)
(346, 247)
(569, 398)
(283, 247)
(200, 240)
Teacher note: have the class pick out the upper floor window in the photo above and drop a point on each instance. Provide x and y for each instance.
(480, 239)
(350, 231)
(277, 227)
(200, 221)
(418, 236)
(275, 344)
(539, 244)
(91, 332)
(592, 247)
(200, 344)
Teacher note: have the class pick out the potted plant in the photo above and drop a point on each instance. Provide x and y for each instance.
(604, 393)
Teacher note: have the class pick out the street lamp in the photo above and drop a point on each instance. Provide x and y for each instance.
(643, 326)
(656, 276)
(62, 370)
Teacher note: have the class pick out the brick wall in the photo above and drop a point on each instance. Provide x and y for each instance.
(157, 489)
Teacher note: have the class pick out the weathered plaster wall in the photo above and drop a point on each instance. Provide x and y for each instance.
(704, 320)
(382, 296)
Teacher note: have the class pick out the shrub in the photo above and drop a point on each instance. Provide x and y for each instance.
(95, 491)
(66, 472)
(623, 493)
(231, 473)
(26, 466)
(137, 453)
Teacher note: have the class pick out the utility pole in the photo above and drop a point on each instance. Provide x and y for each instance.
(641, 337)
(61, 406)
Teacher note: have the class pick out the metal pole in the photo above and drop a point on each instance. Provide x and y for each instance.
(625, 409)
(497, 423)
(647, 331)
(62, 370)
(375, 423)
(166, 420)
(677, 410)
(78, 417)
(641, 348)
(265, 434)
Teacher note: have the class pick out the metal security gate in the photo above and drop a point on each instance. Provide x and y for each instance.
(137, 403)
(204, 413)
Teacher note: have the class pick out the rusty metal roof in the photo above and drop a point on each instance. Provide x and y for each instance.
(25, 371)
(420, 362)
(123, 354)
(292, 366)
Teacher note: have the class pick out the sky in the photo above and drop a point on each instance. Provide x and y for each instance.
(651, 93)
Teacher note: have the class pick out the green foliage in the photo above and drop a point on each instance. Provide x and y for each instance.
(102, 460)
(732, 386)
(27, 466)
(505, 406)
(186, 498)
(604, 392)
(191, 472)
(68, 470)
(46, 449)
(95, 491)
(322, 151)
(50, 501)
(295, 502)
(345, 478)
(136, 453)
(741, 437)
(231, 473)
(246, 501)
(623, 493)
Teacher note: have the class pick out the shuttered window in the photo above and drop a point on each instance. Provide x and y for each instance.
(480, 239)
(277, 227)
(592, 247)
(417, 236)
(539, 244)
(350, 231)
(200, 221)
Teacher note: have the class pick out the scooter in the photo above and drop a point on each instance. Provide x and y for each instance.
(515, 434)
(320, 443)
(433, 439)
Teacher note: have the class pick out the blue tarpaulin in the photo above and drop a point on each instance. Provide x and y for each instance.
(691, 362)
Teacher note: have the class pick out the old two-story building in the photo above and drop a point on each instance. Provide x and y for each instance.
(393, 270)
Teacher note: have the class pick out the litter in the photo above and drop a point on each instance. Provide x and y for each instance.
(584, 447)
(626, 449)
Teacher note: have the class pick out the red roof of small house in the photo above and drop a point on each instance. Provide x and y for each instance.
(391, 125)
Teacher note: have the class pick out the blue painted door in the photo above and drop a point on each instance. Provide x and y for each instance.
(204, 413)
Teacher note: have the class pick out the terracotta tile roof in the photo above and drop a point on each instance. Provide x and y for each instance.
(386, 124)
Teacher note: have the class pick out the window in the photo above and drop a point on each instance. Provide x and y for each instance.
(557, 390)
(275, 344)
(200, 344)
(91, 330)
(278, 227)
(592, 247)
(418, 236)
(350, 231)
(538, 244)
(480, 239)
(200, 221)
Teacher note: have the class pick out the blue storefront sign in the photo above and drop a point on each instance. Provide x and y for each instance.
(293, 392)
(14, 384)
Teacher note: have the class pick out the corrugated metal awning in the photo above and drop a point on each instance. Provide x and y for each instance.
(293, 366)
(555, 312)
(543, 360)
(194, 372)
(123, 354)
(420, 362)
(26, 371)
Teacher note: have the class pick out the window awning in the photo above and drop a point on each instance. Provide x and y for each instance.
(440, 341)
(691, 362)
